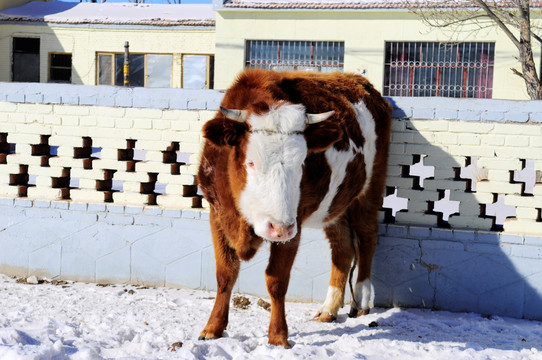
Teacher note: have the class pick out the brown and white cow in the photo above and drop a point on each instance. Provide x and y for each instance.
(289, 150)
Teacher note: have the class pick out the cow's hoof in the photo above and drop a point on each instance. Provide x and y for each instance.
(354, 313)
(325, 317)
(284, 343)
(207, 336)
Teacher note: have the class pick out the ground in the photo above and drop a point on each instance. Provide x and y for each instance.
(66, 320)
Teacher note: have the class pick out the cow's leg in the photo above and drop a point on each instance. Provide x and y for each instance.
(277, 277)
(365, 225)
(227, 270)
(342, 252)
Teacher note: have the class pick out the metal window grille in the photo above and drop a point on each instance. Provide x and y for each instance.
(461, 70)
(318, 56)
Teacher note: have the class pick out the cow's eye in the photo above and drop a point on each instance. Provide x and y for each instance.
(250, 164)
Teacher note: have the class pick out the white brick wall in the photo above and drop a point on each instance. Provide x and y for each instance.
(497, 148)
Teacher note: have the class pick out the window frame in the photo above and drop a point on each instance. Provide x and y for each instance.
(113, 67)
(37, 55)
(468, 73)
(50, 67)
(298, 58)
(209, 74)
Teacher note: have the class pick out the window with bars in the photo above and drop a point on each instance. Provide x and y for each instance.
(319, 56)
(461, 70)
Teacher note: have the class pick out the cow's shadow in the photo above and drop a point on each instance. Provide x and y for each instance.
(447, 250)
(462, 332)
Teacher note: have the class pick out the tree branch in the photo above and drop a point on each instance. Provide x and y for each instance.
(499, 22)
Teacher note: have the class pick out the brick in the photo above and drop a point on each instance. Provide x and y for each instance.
(497, 140)
(85, 195)
(60, 204)
(123, 123)
(449, 114)
(529, 252)
(23, 203)
(96, 207)
(499, 163)
(191, 214)
(143, 123)
(79, 217)
(470, 222)
(71, 110)
(469, 150)
(471, 127)
(469, 139)
(447, 138)
(463, 235)
(511, 239)
(115, 209)
(493, 116)
(498, 187)
(133, 210)
(498, 175)
(21, 138)
(416, 219)
(75, 206)
(430, 125)
(42, 204)
(143, 113)
(469, 115)
(517, 129)
(7, 201)
(523, 226)
(420, 113)
(174, 201)
(117, 219)
(527, 213)
(441, 234)
(428, 245)
(517, 140)
(44, 193)
(8, 107)
(533, 241)
(416, 232)
(516, 116)
(172, 213)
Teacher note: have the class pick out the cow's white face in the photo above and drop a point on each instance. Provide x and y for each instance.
(275, 154)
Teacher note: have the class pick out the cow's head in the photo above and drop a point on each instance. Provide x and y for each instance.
(270, 146)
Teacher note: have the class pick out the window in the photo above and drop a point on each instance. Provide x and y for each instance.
(320, 56)
(26, 59)
(198, 72)
(461, 70)
(60, 68)
(150, 70)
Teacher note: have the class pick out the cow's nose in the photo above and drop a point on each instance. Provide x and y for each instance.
(280, 230)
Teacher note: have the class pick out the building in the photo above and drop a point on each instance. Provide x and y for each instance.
(379, 38)
(84, 43)
(205, 46)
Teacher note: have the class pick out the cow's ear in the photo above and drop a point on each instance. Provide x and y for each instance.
(222, 131)
(322, 136)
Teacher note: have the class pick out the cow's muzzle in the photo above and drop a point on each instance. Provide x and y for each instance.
(279, 231)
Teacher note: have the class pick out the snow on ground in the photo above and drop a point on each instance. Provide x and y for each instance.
(88, 321)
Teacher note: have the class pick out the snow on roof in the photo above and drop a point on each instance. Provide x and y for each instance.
(112, 13)
(356, 4)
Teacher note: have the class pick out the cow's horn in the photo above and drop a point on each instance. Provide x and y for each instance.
(316, 118)
(235, 115)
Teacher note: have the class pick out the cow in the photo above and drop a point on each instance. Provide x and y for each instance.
(287, 150)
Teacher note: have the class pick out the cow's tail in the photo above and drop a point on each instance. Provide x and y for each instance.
(355, 243)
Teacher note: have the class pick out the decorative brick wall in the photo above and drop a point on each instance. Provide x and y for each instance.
(97, 184)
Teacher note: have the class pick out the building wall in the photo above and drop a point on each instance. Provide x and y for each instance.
(6, 4)
(85, 41)
(364, 34)
(465, 264)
